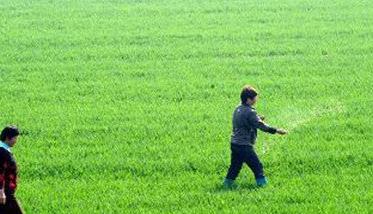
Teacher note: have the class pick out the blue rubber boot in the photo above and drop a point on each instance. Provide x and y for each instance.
(229, 184)
(261, 182)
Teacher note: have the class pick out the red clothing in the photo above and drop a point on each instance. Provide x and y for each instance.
(8, 172)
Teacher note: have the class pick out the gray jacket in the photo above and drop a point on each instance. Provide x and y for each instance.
(245, 124)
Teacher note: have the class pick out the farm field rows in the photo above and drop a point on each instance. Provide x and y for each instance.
(126, 106)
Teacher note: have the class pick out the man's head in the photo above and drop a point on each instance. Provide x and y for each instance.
(249, 95)
(9, 135)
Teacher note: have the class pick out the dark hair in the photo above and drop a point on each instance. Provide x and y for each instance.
(248, 92)
(9, 132)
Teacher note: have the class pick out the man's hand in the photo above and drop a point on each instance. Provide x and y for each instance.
(2, 197)
(281, 131)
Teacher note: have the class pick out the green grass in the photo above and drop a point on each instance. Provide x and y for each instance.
(125, 106)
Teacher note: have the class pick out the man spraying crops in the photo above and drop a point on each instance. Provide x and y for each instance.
(245, 124)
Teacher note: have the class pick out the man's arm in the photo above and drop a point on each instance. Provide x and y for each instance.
(257, 122)
(3, 165)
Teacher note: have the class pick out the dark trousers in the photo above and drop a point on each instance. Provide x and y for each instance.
(244, 154)
(11, 206)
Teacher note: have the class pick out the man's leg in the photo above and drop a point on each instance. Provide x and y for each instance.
(252, 160)
(235, 167)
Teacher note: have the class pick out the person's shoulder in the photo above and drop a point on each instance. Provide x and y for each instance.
(250, 109)
(238, 107)
(251, 112)
(3, 152)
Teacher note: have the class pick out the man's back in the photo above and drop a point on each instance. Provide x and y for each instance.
(243, 133)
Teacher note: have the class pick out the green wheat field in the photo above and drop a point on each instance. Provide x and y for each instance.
(125, 106)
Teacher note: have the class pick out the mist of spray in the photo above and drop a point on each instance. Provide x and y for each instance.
(297, 117)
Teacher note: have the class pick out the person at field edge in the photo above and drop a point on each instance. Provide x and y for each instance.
(8, 172)
(245, 123)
